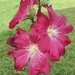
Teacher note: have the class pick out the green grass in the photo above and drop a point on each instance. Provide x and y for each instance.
(66, 65)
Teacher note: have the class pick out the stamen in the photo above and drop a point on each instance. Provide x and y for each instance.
(33, 49)
(51, 31)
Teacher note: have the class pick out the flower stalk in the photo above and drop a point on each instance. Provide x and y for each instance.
(39, 3)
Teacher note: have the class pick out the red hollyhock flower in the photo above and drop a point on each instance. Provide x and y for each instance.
(53, 30)
(27, 49)
(22, 12)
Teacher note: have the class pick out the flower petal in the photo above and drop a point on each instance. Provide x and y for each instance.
(45, 66)
(65, 29)
(60, 46)
(36, 32)
(44, 44)
(63, 39)
(42, 19)
(49, 48)
(60, 21)
(52, 14)
(20, 39)
(11, 52)
(21, 57)
(10, 41)
(38, 64)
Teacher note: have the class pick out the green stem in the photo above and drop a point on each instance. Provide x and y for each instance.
(39, 2)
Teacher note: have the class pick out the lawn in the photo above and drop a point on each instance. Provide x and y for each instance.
(66, 65)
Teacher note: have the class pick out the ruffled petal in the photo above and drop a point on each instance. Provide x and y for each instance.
(60, 21)
(42, 19)
(63, 39)
(36, 32)
(38, 64)
(65, 29)
(23, 39)
(10, 41)
(44, 44)
(44, 64)
(11, 52)
(21, 57)
(52, 14)
(60, 46)
(20, 39)
(49, 48)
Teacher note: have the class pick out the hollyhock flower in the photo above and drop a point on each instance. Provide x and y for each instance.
(53, 30)
(26, 49)
(22, 12)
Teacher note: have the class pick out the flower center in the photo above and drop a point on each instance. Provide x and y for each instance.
(51, 31)
(33, 49)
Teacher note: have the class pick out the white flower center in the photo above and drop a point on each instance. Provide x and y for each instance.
(51, 31)
(33, 49)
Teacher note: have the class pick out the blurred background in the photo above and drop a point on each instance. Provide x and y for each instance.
(66, 65)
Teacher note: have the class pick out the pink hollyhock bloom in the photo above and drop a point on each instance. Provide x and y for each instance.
(53, 30)
(22, 12)
(27, 49)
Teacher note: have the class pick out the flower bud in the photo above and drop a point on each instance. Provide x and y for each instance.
(32, 14)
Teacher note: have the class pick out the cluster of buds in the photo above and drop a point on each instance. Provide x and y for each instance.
(45, 41)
